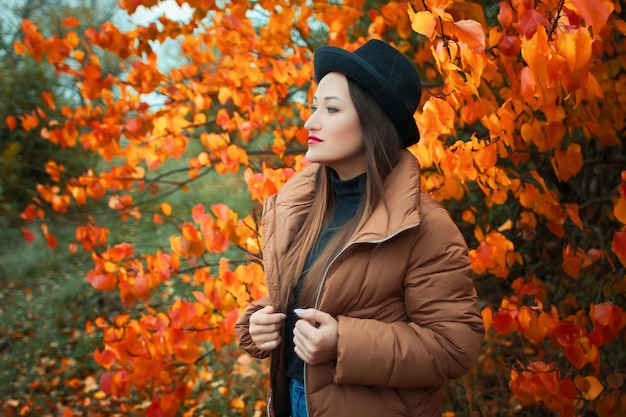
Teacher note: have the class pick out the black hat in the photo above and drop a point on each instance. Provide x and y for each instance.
(383, 71)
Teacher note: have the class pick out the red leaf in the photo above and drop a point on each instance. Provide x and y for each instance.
(154, 409)
(105, 382)
(503, 322)
(529, 21)
(28, 235)
(51, 240)
(509, 45)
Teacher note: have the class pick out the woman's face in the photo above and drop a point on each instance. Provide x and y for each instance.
(335, 132)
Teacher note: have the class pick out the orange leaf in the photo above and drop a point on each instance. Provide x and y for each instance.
(569, 163)
(469, 32)
(197, 213)
(106, 359)
(11, 122)
(618, 246)
(595, 12)
(423, 22)
(49, 100)
(29, 122)
(487, 316)
(505, 14)
(71, 22)
(589, 386)
(620, 209)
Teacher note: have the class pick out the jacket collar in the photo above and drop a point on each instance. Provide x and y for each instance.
(398, 210)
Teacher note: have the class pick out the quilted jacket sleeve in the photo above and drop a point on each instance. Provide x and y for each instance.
(242, 328)
(443, 334)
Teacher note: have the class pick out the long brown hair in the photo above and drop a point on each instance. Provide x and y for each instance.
(382, 148)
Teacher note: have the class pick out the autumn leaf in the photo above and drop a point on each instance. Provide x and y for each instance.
(595, 13)
(423, 22)
(608, 321)
(568, 163)
(154, 409)
(504, 322)
(106, 358)
(589, 386)
(620, 209)
(71, 22)
(469, 32)
(105, 382)
(28, 235)
(166, 208)
(487, 316)
(529, 22)
(618, 246)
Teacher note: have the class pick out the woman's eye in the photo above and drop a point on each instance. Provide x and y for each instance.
(313, 109)
(332, 109)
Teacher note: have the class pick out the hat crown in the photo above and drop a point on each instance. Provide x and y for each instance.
(396, 69)
(383, 71)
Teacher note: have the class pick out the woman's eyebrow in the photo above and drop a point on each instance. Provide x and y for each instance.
(329, 98)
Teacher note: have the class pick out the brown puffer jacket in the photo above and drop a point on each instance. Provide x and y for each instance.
(403, 296)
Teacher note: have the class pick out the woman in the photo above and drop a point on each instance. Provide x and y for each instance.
(371, 306)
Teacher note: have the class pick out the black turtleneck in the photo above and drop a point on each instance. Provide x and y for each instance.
(347, 197)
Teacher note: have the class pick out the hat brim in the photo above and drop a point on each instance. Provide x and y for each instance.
(333, 59)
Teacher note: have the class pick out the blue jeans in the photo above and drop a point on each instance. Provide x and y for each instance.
(298, 398)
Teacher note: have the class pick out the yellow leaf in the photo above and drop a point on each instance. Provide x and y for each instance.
(166, 209)
(224, 95)
(423, 22)
(109, 267)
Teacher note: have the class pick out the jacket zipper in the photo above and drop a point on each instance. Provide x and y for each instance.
(319, 290)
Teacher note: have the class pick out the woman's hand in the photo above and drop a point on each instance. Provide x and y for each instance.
(266, 328)
(315, 336)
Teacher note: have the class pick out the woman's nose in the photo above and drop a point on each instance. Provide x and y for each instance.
(311, 123)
